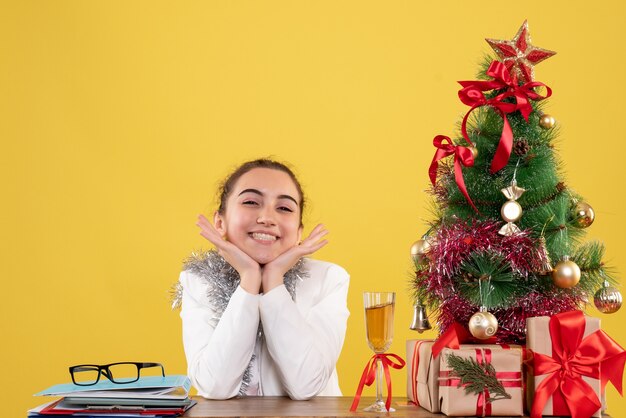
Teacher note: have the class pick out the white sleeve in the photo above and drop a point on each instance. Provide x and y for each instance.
(217, 356)
(306, 348)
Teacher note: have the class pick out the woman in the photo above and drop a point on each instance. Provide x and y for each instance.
(258, 318)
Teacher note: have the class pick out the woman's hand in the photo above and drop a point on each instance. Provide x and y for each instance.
(274, 271)
(249, 270)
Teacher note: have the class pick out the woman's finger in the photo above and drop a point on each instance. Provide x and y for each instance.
(311, 247)
(315, 246)
(213, 238)
(316, 235)
(203, 219)
(317, 229)
(312, 243)
(208, 231)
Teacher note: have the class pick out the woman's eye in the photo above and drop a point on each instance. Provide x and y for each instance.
(249, 202)
(285, 209)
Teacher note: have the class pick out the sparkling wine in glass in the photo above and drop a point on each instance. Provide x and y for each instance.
(379, 308)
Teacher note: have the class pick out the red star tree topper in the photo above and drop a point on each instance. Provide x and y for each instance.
(519, 55)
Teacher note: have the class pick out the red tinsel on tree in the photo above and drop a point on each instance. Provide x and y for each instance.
(453, 244)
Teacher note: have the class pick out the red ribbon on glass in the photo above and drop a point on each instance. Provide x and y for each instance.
(483, 406)
(597, 356)
(369, 375)
(462, 156)
(472, 94)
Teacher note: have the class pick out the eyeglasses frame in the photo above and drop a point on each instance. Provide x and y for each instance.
(104, 370)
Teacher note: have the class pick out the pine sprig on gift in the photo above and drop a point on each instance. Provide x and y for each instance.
(476, 377)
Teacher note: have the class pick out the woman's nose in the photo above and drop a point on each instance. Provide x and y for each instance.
(265, 218)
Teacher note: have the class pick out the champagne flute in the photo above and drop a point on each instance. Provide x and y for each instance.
(379, 308)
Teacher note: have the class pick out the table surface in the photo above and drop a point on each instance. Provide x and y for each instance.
(321, 406)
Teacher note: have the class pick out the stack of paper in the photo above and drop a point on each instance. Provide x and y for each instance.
(148, 397)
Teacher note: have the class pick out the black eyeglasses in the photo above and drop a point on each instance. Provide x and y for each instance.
(120, 373)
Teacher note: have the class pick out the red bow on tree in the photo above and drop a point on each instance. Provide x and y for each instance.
(462, 156)
(596, 356)
(473, 95)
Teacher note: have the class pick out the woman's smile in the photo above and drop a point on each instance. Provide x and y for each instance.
(263, 237)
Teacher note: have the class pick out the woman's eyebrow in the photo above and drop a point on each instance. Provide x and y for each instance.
(286, 196)
(260, 193)
(255, 191)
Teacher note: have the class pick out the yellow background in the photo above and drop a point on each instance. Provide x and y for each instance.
(118, 119)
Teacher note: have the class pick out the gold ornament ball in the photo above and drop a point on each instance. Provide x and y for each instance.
(583, 215)
(566, 274)
(511, 211)
(547, 121)
(419, 249)
(608, 299)
(483, 325)
(474, 152)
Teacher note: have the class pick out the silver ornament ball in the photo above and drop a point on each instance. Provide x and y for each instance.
(607, 299)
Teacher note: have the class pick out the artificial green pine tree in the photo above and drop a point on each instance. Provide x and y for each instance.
(478, 254)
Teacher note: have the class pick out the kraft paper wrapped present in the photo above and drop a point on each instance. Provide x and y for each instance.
(540, 340)
(455, 401)
(423, 371)
(422, 374)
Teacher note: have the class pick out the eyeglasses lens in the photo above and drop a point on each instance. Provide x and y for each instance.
(123, 372)
(85, 375)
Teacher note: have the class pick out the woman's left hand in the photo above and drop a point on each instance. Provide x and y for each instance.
(274, 271)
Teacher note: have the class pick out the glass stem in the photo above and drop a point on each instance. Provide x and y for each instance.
(379, 381)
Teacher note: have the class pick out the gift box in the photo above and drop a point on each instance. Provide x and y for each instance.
(423, 371)
(541, 336)
(453, 397)
(422, 374)
(573, 360)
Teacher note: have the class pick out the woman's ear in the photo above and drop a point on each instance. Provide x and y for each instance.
(220, 224)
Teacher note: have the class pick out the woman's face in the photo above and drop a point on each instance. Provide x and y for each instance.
(262, 216)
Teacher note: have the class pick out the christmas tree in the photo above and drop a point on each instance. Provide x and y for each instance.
(506, 242)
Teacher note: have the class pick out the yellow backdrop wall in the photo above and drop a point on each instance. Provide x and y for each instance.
(119, 118)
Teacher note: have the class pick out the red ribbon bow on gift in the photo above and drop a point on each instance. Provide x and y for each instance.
(597, 356)
(472, 95)
(369, 376)
(455, 335)
(462, 156)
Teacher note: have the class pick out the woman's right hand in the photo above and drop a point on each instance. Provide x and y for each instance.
(249, 270)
